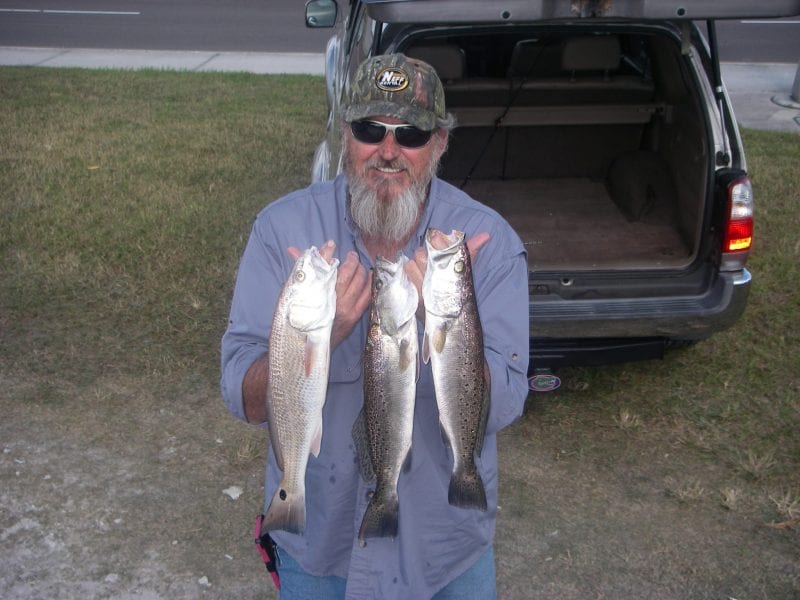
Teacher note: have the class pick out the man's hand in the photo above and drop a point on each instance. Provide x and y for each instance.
(353, 291)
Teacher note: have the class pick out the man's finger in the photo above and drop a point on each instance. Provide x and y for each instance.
(476, 242)
(348, 268)
(357, 281)
(325, 251)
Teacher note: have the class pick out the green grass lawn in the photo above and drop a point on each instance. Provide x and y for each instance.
(126, 199)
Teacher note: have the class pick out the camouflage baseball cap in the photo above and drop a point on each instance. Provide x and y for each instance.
(394, 85)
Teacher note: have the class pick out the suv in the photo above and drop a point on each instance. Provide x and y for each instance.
(602, 132)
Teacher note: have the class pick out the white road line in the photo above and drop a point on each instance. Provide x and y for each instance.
(770, 22)
(90, 12)
(70, 12)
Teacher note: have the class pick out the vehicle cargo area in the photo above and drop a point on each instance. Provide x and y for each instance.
(591, 145)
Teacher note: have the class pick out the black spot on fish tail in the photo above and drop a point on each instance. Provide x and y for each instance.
(287, 511)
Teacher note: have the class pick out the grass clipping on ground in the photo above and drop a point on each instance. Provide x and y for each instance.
(125, 201)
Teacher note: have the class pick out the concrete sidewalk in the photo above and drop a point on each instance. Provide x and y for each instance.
(760, 93)
(192, 60)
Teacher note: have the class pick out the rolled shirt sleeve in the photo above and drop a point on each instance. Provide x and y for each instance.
(246, 337)
(503, 308)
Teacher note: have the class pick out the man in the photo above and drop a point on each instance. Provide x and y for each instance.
(396, 131)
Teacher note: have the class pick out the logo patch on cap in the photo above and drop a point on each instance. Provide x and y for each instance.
(391, 79)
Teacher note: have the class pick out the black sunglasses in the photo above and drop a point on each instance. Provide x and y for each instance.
(372, 132)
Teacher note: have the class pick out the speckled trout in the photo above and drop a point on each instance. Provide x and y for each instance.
(391, 366)
(299, 358)
(453, 343)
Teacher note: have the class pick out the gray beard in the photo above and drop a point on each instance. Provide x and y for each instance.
(392, 220)
(379, 213)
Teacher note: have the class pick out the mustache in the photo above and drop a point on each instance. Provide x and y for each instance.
(379, 163)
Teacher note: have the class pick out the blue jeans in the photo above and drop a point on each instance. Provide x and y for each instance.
(476, 583)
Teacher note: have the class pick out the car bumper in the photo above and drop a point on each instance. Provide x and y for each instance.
(679, 317)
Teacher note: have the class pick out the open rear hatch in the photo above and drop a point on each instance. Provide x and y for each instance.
(480, 11)
(586, 132)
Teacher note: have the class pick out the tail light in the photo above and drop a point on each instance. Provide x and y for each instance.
(738, 224)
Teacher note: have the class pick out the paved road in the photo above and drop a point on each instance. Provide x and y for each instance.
(268, 26)
(263, 36)
(229, 25)
(771, 41)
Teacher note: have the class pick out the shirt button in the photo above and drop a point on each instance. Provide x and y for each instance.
(514, 356)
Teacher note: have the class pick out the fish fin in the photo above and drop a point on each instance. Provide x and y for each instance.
(316, 441)
(273, 437)
(311, 355)
(287, 511)
(406, 358)
(439, 339)
(445, 437)
(380, 518)
(277, 451)
(308, 356)
(466, 488)
(361, 443)
(426, 351)
(482, 423)
(407, 462)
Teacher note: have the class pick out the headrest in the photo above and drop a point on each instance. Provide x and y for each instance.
(591, 53)
(448, 59)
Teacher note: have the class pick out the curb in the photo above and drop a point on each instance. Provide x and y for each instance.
(306, 63)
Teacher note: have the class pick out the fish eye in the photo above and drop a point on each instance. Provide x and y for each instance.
(459, 266)
(299, 275)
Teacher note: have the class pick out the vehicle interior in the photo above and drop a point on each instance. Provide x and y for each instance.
(593, 145)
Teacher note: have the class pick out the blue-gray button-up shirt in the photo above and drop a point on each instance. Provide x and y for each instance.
(436, 542)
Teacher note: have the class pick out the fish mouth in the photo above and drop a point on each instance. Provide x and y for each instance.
(322, 267)
(444, 242)
(386, 271)
(389, 266)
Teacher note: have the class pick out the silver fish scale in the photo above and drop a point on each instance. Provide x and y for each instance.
(454, 345)
(390, 374)
(458, 373)
(389, 397)
(296, 401)
(298, 375)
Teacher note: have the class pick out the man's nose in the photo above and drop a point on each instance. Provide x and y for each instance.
(389, 148)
